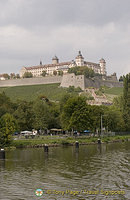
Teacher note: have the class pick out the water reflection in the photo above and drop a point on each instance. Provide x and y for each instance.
(89, 167)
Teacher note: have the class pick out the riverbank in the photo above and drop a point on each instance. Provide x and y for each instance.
(54, 141)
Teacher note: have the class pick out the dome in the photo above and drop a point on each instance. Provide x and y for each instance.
(79, 55)
(102, 60)
(55, 58)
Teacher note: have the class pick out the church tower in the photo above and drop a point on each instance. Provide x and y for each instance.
(55, 60)
(79, 59)
(102, 64)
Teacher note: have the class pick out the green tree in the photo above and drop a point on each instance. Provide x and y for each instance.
(60, 73)
(41, 114)
(6, 76)
(6, 106)
(72, 105)
(44, 73)
(24, 115)
(96, 112)
(54, 72)
(84, 70)
(118, 103)
(113, 119)
(17, 76)
(54, 116)
(81, 119)
(27, 75)
(126, 101)
(12, 76)
(8, 126)
(121, 79)
(74, 70)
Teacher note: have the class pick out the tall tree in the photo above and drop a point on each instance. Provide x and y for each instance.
(70, 107)
(8, 125)
(27, 75)
(6, 106)
(44, 73)
(24, 115)
(126, 101)
(88, 72)
(41, 114)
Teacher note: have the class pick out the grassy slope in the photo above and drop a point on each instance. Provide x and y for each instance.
(111, 93)
(114, 91)
(51, 91)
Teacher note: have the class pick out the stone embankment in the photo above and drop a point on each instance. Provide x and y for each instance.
(30, 81)
(66, 80)
(83, 83)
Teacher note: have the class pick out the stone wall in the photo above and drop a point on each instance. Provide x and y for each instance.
(72, 80)
(97, 82)
(31, 81)
(66, 81)
(82, 82)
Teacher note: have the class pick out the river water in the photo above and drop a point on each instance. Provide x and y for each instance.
(91, 172)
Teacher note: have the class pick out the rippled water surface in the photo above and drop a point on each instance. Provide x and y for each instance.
(64, 171)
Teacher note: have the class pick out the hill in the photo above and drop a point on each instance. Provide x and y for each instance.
(31, 92)
(114, 91)
(51, 91)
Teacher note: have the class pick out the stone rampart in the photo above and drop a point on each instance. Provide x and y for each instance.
(97, 82)
(31, 81)
(66, 81)
(82, 82)
(72, 80)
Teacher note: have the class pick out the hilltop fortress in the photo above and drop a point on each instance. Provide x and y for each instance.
(67, 79)
(57, 66)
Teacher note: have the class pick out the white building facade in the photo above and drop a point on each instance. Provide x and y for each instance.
(64, 66)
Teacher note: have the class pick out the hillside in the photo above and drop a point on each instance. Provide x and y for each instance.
(111, 93)
(114, 91)
(51, 91)
(31, 92)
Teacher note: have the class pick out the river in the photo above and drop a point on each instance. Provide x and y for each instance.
(91, 172)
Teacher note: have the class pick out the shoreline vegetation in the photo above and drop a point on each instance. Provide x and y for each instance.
(55, 141)
(71, 113)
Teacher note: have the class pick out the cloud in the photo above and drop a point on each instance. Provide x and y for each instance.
(33, 30)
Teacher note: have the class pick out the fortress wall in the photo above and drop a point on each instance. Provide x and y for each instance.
(66, 81)
(92, 83)
(112, 84)
(72, 80)
(97, 82)
(80, 81)
(31, 81)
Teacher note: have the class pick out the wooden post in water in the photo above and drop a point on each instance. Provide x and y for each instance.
(99, 141)
(2, 154)
(46, 148)
(77, 144)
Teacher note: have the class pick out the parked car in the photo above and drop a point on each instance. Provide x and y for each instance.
(26, 132)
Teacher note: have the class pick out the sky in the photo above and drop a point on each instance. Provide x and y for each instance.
(34, 30)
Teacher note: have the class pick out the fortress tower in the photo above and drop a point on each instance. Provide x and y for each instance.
(55, 60)
(79, 59)
(102, 64)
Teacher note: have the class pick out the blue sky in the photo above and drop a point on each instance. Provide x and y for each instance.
(31, 30)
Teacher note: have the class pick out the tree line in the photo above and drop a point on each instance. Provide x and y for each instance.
(10, 76)
(71, 113)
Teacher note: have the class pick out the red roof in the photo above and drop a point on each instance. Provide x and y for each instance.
(91, 63)
(47, 65)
